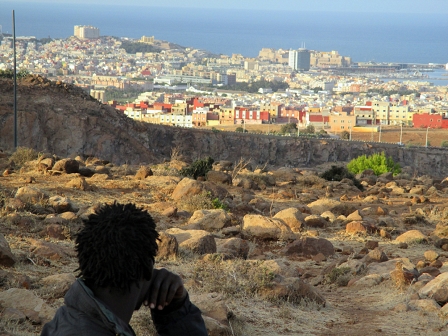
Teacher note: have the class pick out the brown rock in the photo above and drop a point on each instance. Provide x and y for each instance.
(371, 244)
(55, 231)
(78, 183)
(385, 234)
(209, 220)
(320, 257)
(403, 246)
(59, 283)
(436, 263)
(30, 195)
(237, 247)
(412, 236)
(266, 228)
(167, 246)
(356, 228)
(315, 221)
(143, 173)
(49, 250)
(292, 217)
(13, 315)
(435, 272)
(60, 204)
(7, 259)
(26, 302)
(441, 296)
(308, 247)
(67, 166)
(197, 241)
(377, 255)
(187, 187)
(218, 177)
(431, 255)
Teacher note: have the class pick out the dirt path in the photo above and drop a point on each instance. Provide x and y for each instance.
(370, 311)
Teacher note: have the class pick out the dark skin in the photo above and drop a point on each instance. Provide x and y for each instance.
(165, 289)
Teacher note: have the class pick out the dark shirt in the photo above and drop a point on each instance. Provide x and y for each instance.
(84, 315)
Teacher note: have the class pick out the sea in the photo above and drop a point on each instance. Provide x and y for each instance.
(377, 37)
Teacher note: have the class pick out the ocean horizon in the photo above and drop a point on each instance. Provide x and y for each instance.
(378, 37)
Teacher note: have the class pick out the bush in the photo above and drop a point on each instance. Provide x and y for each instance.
(240, 129)
(198, 168)
(338, 173)
(345, 135)
(444, 143)
(22, 155)
(341, 276)
(201, 201)
(378, 162)
(288, 128)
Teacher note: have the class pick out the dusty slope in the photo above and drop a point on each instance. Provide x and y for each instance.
(353, 310)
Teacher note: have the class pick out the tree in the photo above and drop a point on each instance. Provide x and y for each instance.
(377, 162)
(444, 143)
(240, 129)
(288, 128)
(310, 129)
(345, 135)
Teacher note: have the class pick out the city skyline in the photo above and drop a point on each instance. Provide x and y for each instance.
(363, 6)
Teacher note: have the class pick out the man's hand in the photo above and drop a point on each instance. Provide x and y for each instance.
(165, 288)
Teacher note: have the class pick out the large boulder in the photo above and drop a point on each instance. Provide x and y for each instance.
(265, 228)
(67, 166)
(235, 247)
(292, 217)
(209, 220)
(308, 247)
(218, 177)
(30, 195)
(412, 236)
(197, 241)
(187, 187)
(438, 284)
(168, 246)
(143, 172)
(28, 303)
(60, 204)
(7, 259)
(59, 283)
(322, 205)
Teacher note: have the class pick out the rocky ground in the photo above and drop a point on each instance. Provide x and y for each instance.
(262, 250)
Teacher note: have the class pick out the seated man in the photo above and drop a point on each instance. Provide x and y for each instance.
(116, 250)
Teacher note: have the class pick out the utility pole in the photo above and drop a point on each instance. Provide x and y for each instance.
(401, 132)
(379, 139)
(426, 143)
(15, 77)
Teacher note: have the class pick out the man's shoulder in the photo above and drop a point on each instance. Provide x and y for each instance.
(70, 322)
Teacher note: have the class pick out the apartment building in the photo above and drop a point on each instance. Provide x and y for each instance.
(391, 114)
(299, 59)
(86, 32)
(342, 121)
(432, 120)
(226, 116)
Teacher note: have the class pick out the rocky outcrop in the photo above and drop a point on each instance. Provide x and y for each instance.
(63, 119)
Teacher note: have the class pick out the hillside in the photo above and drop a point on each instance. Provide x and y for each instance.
(262, 247)
(61, 119)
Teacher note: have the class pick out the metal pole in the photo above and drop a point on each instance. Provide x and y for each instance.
(379, 140)
(426, 143)
(15, 77)
(401, 132)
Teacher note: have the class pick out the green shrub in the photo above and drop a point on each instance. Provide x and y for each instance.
(377, 162)
(338, 173)
(341, 276)
(201, 201)
(345, 135)
(288, 128)
(218, 204)
(444, 143)
(240, 129)
(198, 168)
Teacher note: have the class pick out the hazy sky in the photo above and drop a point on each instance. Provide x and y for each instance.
(391, 6)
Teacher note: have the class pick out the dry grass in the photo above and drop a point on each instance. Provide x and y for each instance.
(191, 203)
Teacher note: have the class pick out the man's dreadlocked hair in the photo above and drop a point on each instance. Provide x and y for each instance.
(116, 247)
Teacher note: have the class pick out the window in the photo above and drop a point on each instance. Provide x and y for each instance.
(342, 127)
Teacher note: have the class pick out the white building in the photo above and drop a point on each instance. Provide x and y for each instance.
(86, 32)
(300, 59)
